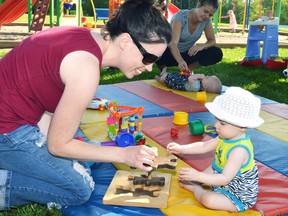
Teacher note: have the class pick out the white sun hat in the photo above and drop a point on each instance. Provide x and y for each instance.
(238, 107)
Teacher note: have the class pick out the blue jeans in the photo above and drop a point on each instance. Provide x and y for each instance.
(29, 173)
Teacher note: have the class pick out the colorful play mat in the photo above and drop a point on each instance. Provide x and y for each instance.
(160, 103)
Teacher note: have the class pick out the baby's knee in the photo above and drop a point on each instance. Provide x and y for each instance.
(207, 200)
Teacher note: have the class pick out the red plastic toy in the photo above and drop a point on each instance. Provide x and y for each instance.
(174, 132)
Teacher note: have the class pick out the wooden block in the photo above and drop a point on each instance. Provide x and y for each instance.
(155, 196)
(161, 162)
(169, 162)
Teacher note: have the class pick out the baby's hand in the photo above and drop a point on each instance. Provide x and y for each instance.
(174, 148)
(188, 174)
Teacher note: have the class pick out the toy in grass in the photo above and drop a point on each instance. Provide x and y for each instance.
(124, 125)
(285, 72)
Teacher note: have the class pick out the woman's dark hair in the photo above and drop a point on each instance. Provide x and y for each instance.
(140, 19)
(213, 3)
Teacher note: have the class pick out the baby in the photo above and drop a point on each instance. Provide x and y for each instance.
(233, 173)
(190, 82)
(269, 16)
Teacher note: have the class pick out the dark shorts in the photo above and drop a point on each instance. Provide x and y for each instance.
(205, 57)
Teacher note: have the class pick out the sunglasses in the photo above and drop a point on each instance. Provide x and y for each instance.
(148, 58)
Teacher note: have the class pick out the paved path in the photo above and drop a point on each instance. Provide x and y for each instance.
(11, 35)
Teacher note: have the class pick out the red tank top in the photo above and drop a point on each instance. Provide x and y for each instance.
(30, 82)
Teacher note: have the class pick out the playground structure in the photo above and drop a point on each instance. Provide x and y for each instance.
(269, 36)
(246, 12)
(266, 31)
(67, 15)
(122, 125)
(68, 12)
(262, 32)
(11, 10)
(114, 6)
(102, 14)
(40, 12)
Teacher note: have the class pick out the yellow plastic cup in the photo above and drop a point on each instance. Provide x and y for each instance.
(180, 118)
(201, 97)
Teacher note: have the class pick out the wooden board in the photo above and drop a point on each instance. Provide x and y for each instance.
(130, 199)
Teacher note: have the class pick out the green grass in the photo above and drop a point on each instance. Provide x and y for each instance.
(261, 81)
(32, 210)
(267, 83)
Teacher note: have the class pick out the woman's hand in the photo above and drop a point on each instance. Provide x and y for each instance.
(183, 66)
(140, 156)
(174, 148)
(195, 49)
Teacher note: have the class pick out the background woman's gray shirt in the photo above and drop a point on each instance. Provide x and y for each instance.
(187, 40)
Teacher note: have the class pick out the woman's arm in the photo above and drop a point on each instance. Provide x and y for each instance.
(80, 73)
(44, 122)
(210, 36)
(176, 31)
(211, 41)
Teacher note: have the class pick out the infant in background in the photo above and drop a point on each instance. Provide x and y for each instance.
(269, 15)
(268, 18)
(190, 82)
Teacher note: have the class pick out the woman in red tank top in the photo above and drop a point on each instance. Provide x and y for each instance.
(46, 84)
